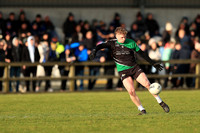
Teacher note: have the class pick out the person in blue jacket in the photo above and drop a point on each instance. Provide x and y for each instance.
(81, 55)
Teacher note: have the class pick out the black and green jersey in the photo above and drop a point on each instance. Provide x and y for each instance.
(122, 53)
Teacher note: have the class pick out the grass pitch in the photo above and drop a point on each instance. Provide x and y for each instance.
(98, 112)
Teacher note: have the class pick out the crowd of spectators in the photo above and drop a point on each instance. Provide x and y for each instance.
(37, 41)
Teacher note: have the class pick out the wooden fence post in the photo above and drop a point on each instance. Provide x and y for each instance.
(197, 80)
(72, 75)
(6, 83)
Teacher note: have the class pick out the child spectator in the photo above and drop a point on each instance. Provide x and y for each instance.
(81, 55)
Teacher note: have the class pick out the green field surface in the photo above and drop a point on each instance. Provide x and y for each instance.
(103, 112)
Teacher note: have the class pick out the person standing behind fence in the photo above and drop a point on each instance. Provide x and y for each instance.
(95, 70)
(64, 70)
(16, 57)
(2, 59)
(154, 54)
(43, 49)
(81, 55)
(69, 28)
(55, 50)
(30, 54)
(194, 55)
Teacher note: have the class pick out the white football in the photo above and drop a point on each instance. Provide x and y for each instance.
(155, 88)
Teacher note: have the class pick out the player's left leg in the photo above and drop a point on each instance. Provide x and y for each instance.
(143, 80)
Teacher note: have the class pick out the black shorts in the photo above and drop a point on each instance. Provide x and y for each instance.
(132, 72)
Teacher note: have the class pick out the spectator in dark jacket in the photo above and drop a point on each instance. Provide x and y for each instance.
(55, 51)
(140, 22)
(2, 24)
(2, 59)
(23, 20)
(77, 36)
(152, 25)
(30, 54)
(69, 28)
(16, 57)
(40, 24)
(195, 55)
(68, 57)
(13, 23)
(95, 70)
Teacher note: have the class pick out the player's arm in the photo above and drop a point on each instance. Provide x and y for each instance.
(97, 48)
(147, 58)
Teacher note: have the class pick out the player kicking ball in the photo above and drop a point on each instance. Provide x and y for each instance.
(122, 50)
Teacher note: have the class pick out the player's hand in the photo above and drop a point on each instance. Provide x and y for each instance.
(158, 66)
(92, 54)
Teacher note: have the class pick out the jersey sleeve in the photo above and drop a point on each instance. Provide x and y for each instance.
(135, 46)
(103, 45)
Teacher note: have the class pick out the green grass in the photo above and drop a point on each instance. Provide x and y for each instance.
(98, 112)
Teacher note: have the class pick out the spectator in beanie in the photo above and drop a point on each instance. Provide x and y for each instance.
(69, 28)
(152, 25)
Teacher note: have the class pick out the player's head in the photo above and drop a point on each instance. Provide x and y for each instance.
(120, 34)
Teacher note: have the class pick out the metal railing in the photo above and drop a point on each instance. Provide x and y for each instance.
(72, 77)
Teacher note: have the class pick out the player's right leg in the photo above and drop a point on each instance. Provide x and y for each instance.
(128, 84)
(143, 80)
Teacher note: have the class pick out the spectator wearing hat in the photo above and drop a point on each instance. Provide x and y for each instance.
(40, 25)
(23, 20)
(166, 36)
(69, 28)
(154, 54)
(140, 22)
(11, 24)
(152, 25)
(24, 31)
(116, 20)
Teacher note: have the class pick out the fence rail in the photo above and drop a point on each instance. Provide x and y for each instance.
(72, 76)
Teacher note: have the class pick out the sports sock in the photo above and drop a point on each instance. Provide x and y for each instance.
(159, 100)
(140, 107)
